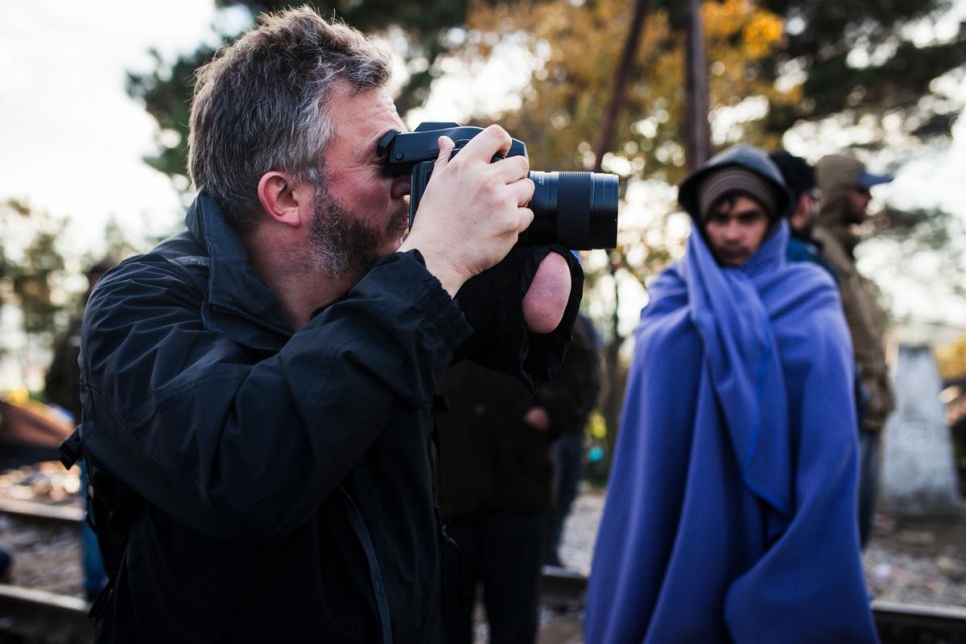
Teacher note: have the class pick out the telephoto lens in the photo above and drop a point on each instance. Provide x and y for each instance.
(575, 209)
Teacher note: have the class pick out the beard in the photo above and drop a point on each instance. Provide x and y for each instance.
(342, 245)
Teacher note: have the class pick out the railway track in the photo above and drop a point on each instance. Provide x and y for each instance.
(37, 617)
(896, 623)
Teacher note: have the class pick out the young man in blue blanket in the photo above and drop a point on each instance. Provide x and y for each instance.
(730, 512)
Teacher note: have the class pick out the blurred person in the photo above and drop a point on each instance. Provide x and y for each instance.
(6, 561)
(730, 510)
(799, 176)
(62, 388)
(846, 193)
(258, 390)
(568, 450)
(495, 486)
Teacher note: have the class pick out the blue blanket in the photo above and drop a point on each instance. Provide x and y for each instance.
(731, 508)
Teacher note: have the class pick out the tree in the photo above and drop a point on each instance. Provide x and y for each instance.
(421, 32)
(872, 58)
(952, 360)
(31, 267)
(774, 66)
(574, 49)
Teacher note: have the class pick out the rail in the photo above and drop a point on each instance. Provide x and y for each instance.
(896, 623)
(37, 617)
(54, 617)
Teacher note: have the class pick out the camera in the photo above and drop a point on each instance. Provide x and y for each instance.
(575, 209)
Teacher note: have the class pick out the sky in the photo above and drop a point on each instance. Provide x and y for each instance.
(73, 141)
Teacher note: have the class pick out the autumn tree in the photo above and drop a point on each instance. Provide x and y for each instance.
(951, 360)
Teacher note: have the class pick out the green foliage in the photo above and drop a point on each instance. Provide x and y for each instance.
(166, 94)
(425, 26)
(859, 57)
(31, 266)
(919, 244)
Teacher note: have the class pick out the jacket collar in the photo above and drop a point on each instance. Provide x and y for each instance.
(238, 301)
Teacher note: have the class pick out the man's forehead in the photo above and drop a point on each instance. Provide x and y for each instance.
(363, 114)
(738, 205)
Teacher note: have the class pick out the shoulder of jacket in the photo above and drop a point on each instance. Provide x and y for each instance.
(186, 256)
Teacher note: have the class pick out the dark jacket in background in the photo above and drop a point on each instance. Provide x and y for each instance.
(490, 459)
(496, 489)
(62, 384)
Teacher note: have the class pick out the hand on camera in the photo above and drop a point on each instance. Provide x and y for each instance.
(473, 210)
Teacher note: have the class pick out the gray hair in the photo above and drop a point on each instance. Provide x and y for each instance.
(260, 105)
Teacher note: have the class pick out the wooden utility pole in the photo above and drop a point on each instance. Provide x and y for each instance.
(697, 135)
(619, 89)
(614, 390)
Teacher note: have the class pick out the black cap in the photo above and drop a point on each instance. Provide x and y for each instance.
(101, 266)
(796, 171)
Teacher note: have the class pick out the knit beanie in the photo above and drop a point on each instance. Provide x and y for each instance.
(735, 179)
(799, 175)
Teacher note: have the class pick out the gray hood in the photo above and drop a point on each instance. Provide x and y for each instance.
(743, 156)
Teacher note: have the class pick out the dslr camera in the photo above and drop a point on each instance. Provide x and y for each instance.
(575, 209)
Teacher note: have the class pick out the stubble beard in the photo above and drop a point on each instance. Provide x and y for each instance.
(343, 246)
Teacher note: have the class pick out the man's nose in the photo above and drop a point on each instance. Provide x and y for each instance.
(733, 230)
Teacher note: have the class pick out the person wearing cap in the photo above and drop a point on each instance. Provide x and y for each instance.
(799, 176)
(730, 512)
(846, 192)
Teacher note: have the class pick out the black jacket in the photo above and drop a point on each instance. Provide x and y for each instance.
(491, 460)
(286, 478)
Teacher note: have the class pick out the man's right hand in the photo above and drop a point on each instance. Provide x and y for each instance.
(472, 210)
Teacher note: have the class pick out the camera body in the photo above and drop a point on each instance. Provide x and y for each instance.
(575, 209)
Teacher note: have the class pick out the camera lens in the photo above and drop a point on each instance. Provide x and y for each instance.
(575, 209)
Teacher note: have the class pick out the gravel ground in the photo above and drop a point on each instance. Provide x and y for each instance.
(920, 562)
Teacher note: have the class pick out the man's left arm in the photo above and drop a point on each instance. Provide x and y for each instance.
(512, 307)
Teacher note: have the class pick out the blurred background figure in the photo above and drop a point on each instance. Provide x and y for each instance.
(62, 388)
(5, 561)
(496, 486)
(846, 193)
(582, 366)
(799, 176)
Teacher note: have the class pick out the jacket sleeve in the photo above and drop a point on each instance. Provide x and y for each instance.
(242, 444)
(493, 304)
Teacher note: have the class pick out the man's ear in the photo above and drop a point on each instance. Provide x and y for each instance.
(284, 200)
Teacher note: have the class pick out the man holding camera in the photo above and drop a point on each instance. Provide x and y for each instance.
(258, 390)
(730, 510)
